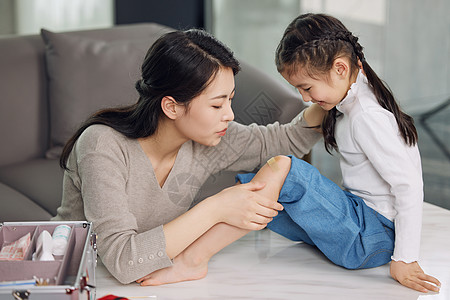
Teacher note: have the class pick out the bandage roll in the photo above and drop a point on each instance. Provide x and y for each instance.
(60, 239)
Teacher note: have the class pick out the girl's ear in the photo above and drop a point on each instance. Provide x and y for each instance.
(341, 67)
(170, 107)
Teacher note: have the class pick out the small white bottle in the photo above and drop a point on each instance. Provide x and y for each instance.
(44, 247)
(60, 239)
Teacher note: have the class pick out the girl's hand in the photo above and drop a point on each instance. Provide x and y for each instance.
(412, 276)
(242, 207)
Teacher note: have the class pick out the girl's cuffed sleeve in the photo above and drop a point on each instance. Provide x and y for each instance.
(399, 165)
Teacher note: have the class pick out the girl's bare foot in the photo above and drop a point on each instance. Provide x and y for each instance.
(181, 270)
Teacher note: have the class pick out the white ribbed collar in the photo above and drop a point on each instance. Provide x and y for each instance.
(361, 82)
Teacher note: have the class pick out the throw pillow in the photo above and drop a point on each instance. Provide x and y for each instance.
(85, 75)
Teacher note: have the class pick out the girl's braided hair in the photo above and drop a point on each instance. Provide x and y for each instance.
(313, 42)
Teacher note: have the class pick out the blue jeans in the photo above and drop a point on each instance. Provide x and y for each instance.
(318, 212)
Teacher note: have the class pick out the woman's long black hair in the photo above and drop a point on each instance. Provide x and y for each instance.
(180, 64)
(313, 42)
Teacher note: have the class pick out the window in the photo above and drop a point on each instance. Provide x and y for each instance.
(407, 42)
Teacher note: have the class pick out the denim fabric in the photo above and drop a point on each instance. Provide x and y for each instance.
(318, 212)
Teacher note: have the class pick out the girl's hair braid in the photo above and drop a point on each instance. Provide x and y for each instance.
(313, 42)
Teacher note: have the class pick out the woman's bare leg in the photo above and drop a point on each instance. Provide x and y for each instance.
(192, 263)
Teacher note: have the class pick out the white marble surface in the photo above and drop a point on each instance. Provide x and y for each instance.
(264, 265)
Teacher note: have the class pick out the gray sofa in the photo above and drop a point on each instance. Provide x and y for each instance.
(49, 83)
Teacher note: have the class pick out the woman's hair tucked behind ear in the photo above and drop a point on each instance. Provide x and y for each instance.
(180, 64)
(313, 42)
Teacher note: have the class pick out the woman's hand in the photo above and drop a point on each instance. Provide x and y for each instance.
(412, 276)
(314, 115)
(242, 207)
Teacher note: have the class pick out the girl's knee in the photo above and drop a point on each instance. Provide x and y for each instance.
(275, 170)
(280, 164)
(273, 174)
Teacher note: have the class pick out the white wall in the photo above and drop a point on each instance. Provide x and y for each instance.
(29, 16)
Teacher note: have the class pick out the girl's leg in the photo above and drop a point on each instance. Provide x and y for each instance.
(192, 263)
(339, 223)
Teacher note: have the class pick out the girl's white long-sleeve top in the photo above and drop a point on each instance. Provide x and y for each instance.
(378, 166)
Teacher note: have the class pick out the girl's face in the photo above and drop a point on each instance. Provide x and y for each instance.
(205, 121)
(327, 91)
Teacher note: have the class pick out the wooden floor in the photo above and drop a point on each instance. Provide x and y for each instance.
(434, 145)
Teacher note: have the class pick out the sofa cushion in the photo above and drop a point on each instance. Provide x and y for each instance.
(86, 74)
(39, 180)
(15, 206)
(23, 101)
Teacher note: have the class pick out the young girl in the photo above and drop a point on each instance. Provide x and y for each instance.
(378, 217)
(135, 171)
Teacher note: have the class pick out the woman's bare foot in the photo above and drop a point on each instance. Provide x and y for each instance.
(181, 270)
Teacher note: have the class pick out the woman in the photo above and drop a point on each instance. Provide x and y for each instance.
(135, 171)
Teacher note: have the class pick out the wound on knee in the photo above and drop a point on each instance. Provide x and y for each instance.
(272, 162)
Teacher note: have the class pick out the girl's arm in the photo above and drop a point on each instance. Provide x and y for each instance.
(399, 166)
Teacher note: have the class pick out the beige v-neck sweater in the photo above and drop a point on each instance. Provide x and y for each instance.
(112, 184)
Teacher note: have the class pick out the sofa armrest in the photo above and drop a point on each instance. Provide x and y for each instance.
(14, 206)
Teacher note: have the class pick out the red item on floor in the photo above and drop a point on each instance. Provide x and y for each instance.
(112, 297)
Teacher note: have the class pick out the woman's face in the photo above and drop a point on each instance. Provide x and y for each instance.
(205, 121)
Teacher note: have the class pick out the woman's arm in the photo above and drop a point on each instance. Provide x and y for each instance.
(238, 206)
(192, 263)
(246, 148)
(130, 253)
(128, 207)
(314, 115)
